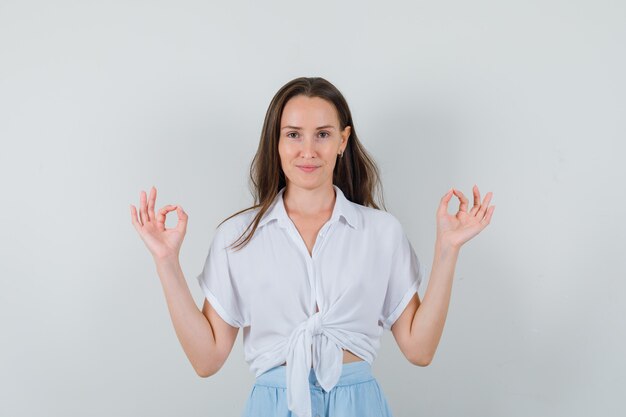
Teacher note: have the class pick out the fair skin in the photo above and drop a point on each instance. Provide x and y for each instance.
(419, 328)
(310, 135)
(309, 199)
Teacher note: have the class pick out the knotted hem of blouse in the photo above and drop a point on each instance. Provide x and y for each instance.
(309, 345)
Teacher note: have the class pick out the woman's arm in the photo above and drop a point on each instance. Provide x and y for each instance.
(207, 346)
(206, 339)
(419, 328)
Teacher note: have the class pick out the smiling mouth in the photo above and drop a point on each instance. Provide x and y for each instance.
(308, 168)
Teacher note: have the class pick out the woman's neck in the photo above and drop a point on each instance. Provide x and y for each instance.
(303, 202)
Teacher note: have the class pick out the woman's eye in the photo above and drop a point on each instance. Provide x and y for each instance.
(294, 135)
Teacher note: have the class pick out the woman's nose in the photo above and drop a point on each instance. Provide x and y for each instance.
(308, 147)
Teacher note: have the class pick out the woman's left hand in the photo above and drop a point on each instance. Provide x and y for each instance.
(461, 227)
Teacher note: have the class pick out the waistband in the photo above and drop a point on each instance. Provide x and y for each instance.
(351, 373)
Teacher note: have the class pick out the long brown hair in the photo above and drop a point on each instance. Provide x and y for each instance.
(355, 173)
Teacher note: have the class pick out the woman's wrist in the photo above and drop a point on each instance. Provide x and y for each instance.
(446, 246)
(167, 261)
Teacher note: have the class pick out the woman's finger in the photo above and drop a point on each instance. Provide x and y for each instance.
(476, 207)
(463, 199)
(163, 213)
(182, 219)
(151, 202)
(133, 218)
(143, 211)
(484, 206)
(487, 219)
(443, 205)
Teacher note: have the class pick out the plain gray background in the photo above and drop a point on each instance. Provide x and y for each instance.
(99, 100)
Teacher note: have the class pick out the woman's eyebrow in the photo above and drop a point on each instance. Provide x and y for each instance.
(298, 128)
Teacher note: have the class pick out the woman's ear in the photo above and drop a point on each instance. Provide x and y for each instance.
(345, 134)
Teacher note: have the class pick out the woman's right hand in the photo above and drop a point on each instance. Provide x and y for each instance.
(161, 242)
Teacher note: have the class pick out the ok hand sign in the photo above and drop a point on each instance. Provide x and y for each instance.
(461, 227)
(161, 242)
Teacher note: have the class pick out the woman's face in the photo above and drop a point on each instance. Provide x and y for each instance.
(310, 141)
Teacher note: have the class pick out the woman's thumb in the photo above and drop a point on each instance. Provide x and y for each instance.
(182, 218)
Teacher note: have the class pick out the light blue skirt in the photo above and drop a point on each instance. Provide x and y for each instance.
(357, 394)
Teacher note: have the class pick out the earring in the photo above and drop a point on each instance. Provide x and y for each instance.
(341, 154)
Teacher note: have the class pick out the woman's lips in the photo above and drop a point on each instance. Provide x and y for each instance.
(308, 168)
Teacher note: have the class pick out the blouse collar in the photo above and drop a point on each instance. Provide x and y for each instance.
(343, 208)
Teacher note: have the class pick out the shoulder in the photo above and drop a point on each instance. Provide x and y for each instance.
(231, 228)
(379, 220)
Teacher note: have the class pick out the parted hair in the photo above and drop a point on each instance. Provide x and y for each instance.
(355, 173)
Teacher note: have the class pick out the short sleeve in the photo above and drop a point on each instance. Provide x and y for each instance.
(217, 282)
(404, 280)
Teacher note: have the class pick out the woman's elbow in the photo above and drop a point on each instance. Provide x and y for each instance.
(204, 373)
(207, 371)
(420, 360)
(424, 362)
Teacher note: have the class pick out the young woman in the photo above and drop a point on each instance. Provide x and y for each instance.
(314, 271)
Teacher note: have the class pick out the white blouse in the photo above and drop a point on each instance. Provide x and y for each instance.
(362, 273)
